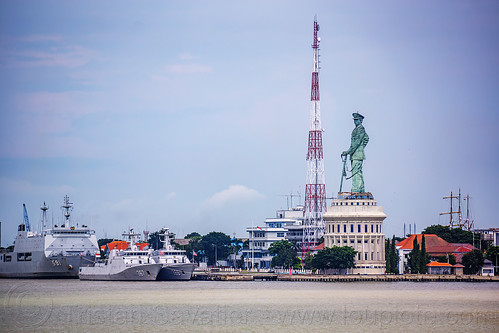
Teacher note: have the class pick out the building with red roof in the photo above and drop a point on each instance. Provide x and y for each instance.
(439, 268)
(120, 245)
(435, 247)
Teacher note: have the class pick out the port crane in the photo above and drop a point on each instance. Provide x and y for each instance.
(26, 219)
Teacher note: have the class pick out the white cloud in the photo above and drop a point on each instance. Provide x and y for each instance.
(231, 195)
(170, 196)
(25, 187)
(41, 38)
(121, 205)
(186, 56)
(188, 69)
(62, 56)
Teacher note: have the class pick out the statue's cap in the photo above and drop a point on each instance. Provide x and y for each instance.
(357, 116)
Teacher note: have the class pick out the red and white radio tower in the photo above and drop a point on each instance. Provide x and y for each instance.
(315, 189)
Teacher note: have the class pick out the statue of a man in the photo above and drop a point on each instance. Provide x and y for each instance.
(356, 152)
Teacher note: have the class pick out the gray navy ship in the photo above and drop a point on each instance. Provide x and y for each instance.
(56, 252)
(175, 264)
(131, 264)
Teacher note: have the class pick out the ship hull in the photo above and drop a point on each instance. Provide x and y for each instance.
(147, 272)
(176, 272)
(42, 267)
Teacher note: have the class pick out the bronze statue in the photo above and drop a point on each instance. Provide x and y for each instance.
(356, 151)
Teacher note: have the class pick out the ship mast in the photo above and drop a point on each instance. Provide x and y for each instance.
(468, 223)
(131, 236)
(44, 209)
(68, 206)
(452, 222)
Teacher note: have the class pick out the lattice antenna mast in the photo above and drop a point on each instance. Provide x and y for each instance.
(315, 189)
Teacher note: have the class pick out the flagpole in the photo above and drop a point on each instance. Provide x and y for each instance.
(252, 246)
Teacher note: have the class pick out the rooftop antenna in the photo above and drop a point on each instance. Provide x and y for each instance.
(289, 198)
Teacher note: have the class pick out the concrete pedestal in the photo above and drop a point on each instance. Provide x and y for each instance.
(355, 219)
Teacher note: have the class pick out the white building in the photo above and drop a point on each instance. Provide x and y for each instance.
(490, 235)
(273, 230)
(355, 219)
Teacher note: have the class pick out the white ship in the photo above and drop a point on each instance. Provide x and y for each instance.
(125, 265)
(56, 252)
(175, 264)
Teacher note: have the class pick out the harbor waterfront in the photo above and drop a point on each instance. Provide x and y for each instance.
(254, 306)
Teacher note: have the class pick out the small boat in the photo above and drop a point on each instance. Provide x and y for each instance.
(131, 264)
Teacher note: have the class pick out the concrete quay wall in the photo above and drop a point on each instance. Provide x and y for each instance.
(389, 278)
(341, 278)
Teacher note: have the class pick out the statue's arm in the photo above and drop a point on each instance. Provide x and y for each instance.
(356, 141)
(365, 139)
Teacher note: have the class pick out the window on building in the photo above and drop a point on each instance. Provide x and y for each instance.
(351, 227)
(376, 228)
(345, 228)
(372, 228)
(365, 228)
(358, 228)
(280, 234)
(365, 256)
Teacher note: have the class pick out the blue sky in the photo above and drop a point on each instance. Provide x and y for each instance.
(194, 115)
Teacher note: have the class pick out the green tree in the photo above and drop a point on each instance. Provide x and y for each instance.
(334, 257)
(284, 253)
(156, 237)
(492, 255)
(394, 257)
(414, 256)
(215, 246)
(442, 259)
(193, 245)
(193, 235)
(388, 254)
(472, 262)
(451, 259)
(308, 260)
(452, 235)
(424, 258)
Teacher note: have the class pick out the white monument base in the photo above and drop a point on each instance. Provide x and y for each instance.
(355, 219)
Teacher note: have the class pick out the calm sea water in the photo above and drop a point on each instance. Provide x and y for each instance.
(207, 306)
